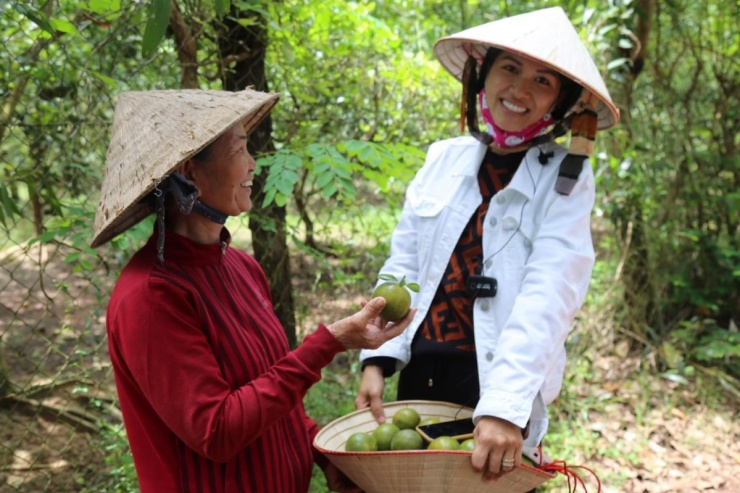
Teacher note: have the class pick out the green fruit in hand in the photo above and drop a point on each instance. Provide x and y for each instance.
(444, 443)
(396, 295)
(397, 301)
(406, 418)
(429, 421)
(361, 442)
(384, 434)
(407, 440)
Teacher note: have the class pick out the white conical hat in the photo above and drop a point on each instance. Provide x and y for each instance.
(153, 132)
(546, 36)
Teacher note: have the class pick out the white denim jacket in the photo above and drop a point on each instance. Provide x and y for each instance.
(536, 244)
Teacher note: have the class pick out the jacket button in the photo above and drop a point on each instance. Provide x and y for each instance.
(489, 263)
(484, 305)
(500, 198)
(527, 242)
(510, 223)
(492, 221)
(489, 356)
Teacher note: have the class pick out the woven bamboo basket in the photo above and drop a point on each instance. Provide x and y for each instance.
(415, 471)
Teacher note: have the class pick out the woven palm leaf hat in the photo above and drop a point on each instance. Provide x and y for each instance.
(546, 36)
(152, 133)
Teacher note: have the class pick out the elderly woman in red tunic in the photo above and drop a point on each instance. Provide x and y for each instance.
(210, 392)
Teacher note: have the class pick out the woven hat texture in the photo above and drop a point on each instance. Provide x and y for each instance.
(415, 471)
(546, 36)
(152, 133)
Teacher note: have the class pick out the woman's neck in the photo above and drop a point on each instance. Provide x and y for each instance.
(502, 151)
(195, 227)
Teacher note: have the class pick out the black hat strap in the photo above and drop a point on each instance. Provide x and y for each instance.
(185, 195)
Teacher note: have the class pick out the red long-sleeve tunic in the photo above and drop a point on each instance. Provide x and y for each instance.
(210, 393)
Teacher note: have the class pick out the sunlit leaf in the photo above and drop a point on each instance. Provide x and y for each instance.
(35, 16)
(105, 79)
(222, 7)
(156, 26)
(104, 6)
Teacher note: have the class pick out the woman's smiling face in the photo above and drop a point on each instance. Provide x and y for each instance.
(225, 181)
(520, 91)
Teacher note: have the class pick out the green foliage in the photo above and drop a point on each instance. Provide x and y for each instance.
(412, 286)
(118, 456)
(706, 342)
(670, 183)
(222, 7)
(329, 172)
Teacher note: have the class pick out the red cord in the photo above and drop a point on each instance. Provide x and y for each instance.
(559, 466)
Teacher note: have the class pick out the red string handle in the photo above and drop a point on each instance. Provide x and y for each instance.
(559, 466)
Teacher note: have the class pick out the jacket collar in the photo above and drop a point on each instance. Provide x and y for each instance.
(527, 175)
(470, 159)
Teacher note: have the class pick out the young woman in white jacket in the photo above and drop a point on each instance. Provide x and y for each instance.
(495, 229)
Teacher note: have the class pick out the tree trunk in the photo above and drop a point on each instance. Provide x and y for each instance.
(187, 48)
(643, 314)
(248, 45)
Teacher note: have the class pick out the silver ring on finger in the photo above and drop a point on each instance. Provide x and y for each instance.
(507, 463)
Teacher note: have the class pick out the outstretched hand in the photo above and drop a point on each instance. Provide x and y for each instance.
(370, 393)
(366, 329)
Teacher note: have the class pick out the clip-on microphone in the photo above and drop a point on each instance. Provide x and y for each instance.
(544, 157)
(480, 286)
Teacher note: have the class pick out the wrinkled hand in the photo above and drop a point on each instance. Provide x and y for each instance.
(496, 440)
(370, 393)
(366, 329)
(336, 480)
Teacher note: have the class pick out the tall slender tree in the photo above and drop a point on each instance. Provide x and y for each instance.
(243, 49)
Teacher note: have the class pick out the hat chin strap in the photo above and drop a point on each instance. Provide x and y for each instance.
(209, 212)
(185, 195)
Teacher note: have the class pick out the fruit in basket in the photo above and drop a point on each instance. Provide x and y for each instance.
(406, 418)
(396, 295)
(468, 444)
(444, 443)
(526, 460)
(430, 421)
(384, 434)
(407, 440)
(361, 442)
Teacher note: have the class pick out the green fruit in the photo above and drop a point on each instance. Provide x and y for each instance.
(397, 300)
(468, 444)
(384, 434)
(361, 442)
(429, 421)
(407, 440)
(444, 443)
(529, 462)
(406, 418)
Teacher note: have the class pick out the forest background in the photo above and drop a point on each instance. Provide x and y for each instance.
(651, 395)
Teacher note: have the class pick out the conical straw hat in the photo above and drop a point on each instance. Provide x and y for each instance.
(153, 132)
(546, 36)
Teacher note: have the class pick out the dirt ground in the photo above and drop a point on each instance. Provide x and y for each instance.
(660, 437)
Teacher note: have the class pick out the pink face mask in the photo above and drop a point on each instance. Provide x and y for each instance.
(505, 139)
